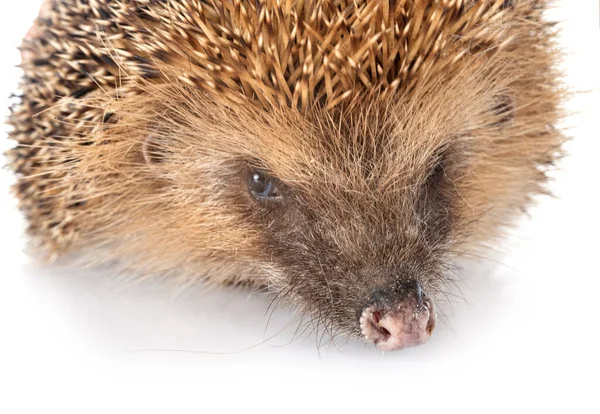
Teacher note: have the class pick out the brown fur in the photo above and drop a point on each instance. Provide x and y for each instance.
(402, 134)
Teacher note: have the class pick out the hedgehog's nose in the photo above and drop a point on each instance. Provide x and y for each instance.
(392, 325)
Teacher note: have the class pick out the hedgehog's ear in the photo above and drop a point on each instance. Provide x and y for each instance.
(151, 151)
(503, 111)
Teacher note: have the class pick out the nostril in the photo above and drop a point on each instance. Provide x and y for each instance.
(384, 331)
(371, 326)
(430, 324)
(376, 321)
(432, 318)
(376, 317)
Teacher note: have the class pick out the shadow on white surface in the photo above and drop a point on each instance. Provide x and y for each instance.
(151, 316)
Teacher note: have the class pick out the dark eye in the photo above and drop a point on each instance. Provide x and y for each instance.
(262, 186)
(437, 172)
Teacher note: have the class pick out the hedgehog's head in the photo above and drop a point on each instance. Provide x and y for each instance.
(352, 213)
(344, 172)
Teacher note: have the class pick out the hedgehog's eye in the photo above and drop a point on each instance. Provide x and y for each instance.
(262, 186)
(437, 171)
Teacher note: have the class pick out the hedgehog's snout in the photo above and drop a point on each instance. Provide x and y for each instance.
(398, 318)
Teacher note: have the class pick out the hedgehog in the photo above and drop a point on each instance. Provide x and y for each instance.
(343, 155)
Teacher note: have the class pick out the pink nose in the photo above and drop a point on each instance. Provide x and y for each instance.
(409, 324)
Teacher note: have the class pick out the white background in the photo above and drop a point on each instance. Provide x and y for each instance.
(80, 341)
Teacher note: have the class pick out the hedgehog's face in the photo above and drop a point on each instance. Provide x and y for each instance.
(360, 249)
(355, 225)
(353, 216)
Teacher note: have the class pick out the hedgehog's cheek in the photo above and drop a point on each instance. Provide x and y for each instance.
(152, 151)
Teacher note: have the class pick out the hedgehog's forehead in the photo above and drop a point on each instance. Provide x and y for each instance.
(367, 145)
